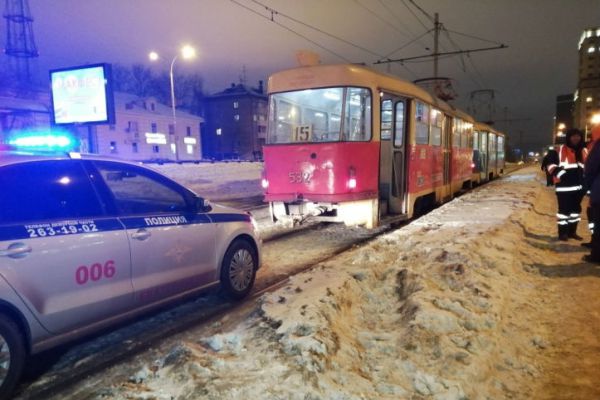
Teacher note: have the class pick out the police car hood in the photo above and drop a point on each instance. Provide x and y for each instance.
(221, 209)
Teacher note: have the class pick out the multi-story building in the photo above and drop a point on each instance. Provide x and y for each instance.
(587, 96)
(144, 130)
(25, 112)
(236, 123)
(563, 117)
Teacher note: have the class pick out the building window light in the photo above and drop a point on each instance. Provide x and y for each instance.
(591, 49)
(588, 99)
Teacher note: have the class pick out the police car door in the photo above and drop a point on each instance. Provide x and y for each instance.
(67, 260)
(172, 246)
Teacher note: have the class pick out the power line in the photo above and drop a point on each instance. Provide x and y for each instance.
(275, 12)
(272, 19)
(406, 44)
(423, 11)
(448, 53)
(473, 37)
(396, 17)
(380, 18)
(414, 15)
(464, 66)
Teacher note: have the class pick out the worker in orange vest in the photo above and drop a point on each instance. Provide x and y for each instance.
(567, 169)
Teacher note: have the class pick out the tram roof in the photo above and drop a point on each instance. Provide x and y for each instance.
(354, 75)
(483, 126)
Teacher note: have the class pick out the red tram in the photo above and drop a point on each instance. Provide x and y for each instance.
(349, 144)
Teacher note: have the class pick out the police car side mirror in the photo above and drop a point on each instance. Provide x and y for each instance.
(202, 205)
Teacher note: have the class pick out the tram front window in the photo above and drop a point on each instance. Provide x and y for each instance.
(320, 115)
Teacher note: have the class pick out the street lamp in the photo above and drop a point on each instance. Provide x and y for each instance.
(187, 52)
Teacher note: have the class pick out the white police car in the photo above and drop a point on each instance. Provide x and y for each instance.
(87, 241)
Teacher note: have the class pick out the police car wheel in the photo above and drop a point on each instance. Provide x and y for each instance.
(12, 355)
(239, 269)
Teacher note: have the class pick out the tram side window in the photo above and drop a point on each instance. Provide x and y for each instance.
(357, 123)
(483, 143)
(422, 123)
(386, 119)
(476, 140)
(399, 125)
(457, 128)
(500, 148)
(470, 134)
(437, 118)
(464, 136)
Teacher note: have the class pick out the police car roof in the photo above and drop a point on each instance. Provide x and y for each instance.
(11, 156)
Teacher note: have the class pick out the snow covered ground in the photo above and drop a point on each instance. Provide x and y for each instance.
(217, 181)
(443, 308)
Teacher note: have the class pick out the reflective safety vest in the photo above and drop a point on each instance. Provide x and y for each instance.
(570, 177)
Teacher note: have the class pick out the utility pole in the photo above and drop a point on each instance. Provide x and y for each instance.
(20, 43)
(436, 42)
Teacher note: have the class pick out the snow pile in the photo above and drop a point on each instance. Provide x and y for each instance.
(427, 312)
(217, 181)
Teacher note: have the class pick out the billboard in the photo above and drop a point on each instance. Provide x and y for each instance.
(82, 95)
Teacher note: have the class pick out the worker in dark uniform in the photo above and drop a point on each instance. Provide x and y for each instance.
(567, 169)
(551, 154)
(592, 185)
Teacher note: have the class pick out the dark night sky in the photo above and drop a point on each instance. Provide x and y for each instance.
(540, 63)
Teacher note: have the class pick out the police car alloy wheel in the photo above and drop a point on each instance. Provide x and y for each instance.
(239, 269)
(12, 355)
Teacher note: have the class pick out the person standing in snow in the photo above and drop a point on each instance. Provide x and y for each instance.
(592, 184)
(551, 154)
(567, 169)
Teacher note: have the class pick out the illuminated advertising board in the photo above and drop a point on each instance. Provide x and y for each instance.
(82, 95)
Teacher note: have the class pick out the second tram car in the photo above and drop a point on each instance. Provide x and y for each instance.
(488, 153)
(346, 143)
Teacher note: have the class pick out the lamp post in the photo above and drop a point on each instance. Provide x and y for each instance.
(187, 52)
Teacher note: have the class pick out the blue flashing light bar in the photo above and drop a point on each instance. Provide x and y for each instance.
(47, 141)
(43, 141)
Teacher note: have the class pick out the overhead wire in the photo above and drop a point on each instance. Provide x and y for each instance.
(406, 45)
(396, 17)
(314, 28)
(273, 12)
(423, 11)
(414, 14)
(290, 30)
(379, 17)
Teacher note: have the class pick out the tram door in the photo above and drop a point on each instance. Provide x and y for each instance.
(447, 152)
(392, 167)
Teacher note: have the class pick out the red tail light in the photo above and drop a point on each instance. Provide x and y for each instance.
(352, 178)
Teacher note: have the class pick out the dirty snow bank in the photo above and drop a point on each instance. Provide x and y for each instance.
(427, 311)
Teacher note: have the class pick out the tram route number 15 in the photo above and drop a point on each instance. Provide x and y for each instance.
(302, 133)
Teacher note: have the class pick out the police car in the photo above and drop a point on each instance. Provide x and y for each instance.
(88, 241)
